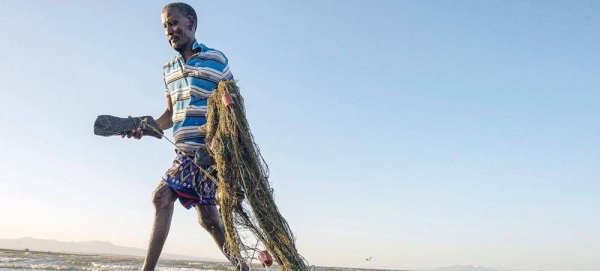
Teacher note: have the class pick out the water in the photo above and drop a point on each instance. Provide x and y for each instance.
(41, 261)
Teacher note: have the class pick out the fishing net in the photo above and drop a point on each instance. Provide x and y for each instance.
(244, 195)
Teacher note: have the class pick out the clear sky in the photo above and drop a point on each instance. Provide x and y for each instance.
(422, 133)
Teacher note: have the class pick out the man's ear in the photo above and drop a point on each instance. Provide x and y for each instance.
(192, 23)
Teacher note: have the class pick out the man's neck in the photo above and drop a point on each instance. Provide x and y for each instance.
(186, 54)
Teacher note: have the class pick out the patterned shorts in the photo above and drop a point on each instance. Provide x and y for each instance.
(189, 183)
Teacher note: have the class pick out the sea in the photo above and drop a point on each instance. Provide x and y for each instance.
(43, 261)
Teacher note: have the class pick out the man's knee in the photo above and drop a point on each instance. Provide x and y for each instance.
(163, 196)
(209, 218)
(209, 223)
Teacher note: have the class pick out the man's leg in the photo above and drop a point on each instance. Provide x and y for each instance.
(210, 219)
(163, 199)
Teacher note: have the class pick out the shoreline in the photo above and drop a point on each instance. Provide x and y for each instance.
(47, 252)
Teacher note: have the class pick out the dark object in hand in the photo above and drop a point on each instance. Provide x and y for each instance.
(106, 125)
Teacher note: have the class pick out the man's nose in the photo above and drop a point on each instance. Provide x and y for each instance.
(169, 30)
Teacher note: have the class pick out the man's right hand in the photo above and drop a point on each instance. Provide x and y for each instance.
(135, 133)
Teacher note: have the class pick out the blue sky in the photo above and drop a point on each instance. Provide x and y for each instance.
(422, 133)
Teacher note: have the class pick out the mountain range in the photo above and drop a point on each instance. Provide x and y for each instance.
(89, 247)
(460, 268)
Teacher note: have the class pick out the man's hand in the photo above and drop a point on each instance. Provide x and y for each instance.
(135, 133)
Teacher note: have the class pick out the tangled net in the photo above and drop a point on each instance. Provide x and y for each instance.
(247, 207)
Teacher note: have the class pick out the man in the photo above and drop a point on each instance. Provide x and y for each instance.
(189, 79)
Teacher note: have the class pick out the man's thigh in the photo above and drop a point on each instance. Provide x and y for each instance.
(163, 194)
(208, 214)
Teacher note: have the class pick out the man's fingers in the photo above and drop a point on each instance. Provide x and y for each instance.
(135, 133)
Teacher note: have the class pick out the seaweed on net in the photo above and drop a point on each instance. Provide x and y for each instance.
(244, 195)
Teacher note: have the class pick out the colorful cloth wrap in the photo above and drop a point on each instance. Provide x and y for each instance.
(189, 182)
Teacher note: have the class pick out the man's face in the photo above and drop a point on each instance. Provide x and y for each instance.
(178, 28)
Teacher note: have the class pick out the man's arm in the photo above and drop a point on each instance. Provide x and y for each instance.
(165, 121)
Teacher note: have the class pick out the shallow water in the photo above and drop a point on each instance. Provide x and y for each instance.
(42, 261)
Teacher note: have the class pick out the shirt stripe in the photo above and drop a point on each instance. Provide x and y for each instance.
(189, 84)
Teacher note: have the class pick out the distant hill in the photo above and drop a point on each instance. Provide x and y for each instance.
(460, 268)
(90, 247)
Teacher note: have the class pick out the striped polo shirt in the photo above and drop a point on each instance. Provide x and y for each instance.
(189, 84)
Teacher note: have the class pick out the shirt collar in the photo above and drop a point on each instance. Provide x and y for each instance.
(197, 47)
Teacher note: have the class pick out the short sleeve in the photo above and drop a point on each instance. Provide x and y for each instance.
(227, 75)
